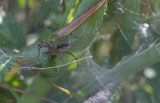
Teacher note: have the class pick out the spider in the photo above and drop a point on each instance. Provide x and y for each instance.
(56, 49)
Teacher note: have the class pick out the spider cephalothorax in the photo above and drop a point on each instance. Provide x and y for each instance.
(55, 49)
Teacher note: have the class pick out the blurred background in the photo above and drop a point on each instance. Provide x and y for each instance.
(118, 36)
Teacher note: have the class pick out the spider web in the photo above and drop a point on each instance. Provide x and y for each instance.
(146, 39)
(119, 39)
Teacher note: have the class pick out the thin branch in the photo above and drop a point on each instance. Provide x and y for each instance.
(58, 65)
(27, 93)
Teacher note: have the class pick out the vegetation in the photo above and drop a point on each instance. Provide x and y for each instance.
(117, 46)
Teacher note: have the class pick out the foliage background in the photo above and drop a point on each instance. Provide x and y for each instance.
(122, 36)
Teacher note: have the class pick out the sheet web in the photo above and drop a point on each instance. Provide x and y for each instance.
(135, 30)
(129, 27)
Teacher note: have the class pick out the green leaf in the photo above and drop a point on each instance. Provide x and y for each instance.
(156, 4)
(128, 18)
(89, 28)
(38, 87)
(5, 65)
(11, 33)
(86, 32)
(124, 70)
(126, 22)
(31, 54)
(12, 91)
(69, 5)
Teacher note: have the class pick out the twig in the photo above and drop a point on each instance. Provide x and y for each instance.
(58, 65)
(27, 93)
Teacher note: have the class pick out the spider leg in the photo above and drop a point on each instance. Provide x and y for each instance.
(63, 37)
(66, 52)
(39, 47)
(42, 45)
(48, 54)
(53, 46)
(48, 45)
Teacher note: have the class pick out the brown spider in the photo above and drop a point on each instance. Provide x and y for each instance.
(56, 49)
